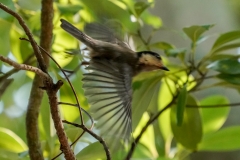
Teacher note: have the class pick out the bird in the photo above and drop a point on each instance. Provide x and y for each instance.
(107, 85)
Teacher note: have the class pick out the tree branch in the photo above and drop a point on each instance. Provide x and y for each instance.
(46, 27)
(34, 102)
(36, 94)
(65, 147)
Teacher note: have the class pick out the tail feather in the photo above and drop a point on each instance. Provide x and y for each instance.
(68, 27)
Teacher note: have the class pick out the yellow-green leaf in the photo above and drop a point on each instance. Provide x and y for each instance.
(189, 134)
(11, 142)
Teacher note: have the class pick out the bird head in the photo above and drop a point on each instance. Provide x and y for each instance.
(148, 61)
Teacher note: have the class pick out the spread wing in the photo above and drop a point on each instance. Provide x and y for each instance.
(108, 90)
(103, 33)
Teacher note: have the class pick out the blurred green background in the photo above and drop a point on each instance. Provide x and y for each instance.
(164, 20)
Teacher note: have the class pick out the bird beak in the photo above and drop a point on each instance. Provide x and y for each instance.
(164, 68)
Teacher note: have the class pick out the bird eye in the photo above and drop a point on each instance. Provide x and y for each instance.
(157, 56)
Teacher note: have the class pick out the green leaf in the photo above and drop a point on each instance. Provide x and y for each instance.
(212, 122)
(148, 138)
(151, 20)
(227, 66)
(18, 47)
(73, 133)
(69, 8)
(142, 99)
(194, 32)
(92, 152)
(175, 52)
(162, 45)
(70, 113)
(141, 152)
(11, 142)
(164, 99)
(233, 79)
(216, 57)
(225, 47)
(8, 155)
(4, 15)
(159, 141)
(226, 38)
(181, 104)
(164, 158)
(189, 134)
(226, 139)
(32, 5)
(5, 37)
(45, 121)
(129, 5)
(102, 9)
(140, 7)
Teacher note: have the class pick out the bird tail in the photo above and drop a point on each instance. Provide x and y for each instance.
(68, 27)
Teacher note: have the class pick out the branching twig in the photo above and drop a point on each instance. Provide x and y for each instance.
(94, 135)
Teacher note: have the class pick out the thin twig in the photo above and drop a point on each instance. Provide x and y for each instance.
(94, 135)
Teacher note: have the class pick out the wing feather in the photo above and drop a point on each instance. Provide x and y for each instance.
(108, 90)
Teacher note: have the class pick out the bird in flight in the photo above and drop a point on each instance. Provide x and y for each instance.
(107, 85)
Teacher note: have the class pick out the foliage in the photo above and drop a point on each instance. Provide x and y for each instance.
(180, 121)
